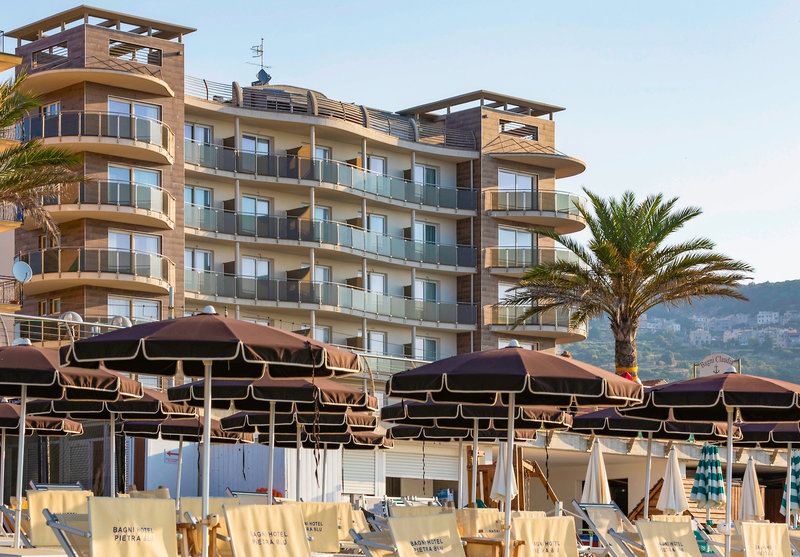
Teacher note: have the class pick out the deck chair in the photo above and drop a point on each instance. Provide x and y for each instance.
(36, 486)
(412, 535)
(191, 508)
(602, 520)
(322, 525)
(415, 510)
(119, 527)
(545, 536)
(267, 531)
(657, 538)
(762, 539)
(671, 518)
(473, 522)
(159, 493)
(57, 502)
(250, 497)
(359, 521)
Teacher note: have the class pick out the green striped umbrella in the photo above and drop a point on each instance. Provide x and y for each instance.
(708, 489)
(793, 477)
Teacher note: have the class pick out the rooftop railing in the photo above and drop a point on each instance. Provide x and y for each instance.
(335, 295)
(340, 174)
(324, 232)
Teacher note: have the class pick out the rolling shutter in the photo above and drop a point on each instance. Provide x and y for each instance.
(412, 465)
(358, 472)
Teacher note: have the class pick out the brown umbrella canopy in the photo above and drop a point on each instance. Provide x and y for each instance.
(41, 425)
(153, 405)
(768, 435)
(757, 399)
(189, 430)
(237, 349)
(609, 423)
(352, 440)
(536, 378)
(259, 422)
(414, 433)
(291, 395)
(463, 416)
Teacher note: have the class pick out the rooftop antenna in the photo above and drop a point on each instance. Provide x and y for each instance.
(258, 52)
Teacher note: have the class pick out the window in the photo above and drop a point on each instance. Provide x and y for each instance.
(505, 290)
(322, 153)
(512, 181)
(376, 164)
(514, 238)
(138, 310)
(43, 307)
(134, 186)
(50, 307)
(376, 223)
(194, 195)
(377, 342)
(255, 268)
(199, 259)
(134, 52)
(426, 232)
(127, 241)
(256, 144)
(503, 343)
(426, 290)
(255, 206)
(426, 348)
(424, 174)
(518, 129)
(376, 282)
(125, 107)
(266, 322)
(198, 133)
(322, 333)
(49, 55)
(322, 273)
(46, 241)
(50, 109)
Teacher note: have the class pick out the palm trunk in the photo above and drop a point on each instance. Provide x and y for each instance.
(625, 358)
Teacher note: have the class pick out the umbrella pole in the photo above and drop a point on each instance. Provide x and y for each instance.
(23, 408)
(206, 485)
(475, 465)
(789, 484)
(3, 468)
(112, 457)
(729, 484)
(324, 470)
(270, 452)
(180, 470)
(297, 467)
(509, 475)
(647, 475)
(460, 472)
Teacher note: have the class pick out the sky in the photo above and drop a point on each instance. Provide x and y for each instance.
(699, 100)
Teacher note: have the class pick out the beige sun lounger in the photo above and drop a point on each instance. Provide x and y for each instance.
(159, 493)
(194, 506)
(437, 533)
(675, 538)
(603, 519)
(474, 522)
(671, 518)
(57, 502)
(763, 539)
(545, 536)
(121, 527)
(359, 521)
(416, 510)
(267, 531)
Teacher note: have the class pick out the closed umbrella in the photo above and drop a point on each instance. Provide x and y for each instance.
(751, 507)
(595, 486)
(672, 499)
(792, 487)
(708, 489)
(208, 345)
(499, 489)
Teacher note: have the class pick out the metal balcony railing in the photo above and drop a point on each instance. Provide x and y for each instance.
(551, 319)
(340, 174)
(340, 296)
(558, 202)
(100, 260)
(514, 257)
(101, 125)
(10, 213)
(327, 233)
(147, 197)
(10, 291)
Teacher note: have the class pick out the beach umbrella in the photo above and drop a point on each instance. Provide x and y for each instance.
(208, 345)
(708, 490)
(607, 422)
(672, 499)
(28, 371)
(792, 488)
(751, 507)
(731, 397)
(515, 377)
(500, 491)
(595, 486)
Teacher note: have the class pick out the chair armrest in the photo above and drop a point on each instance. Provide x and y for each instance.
(68, 529)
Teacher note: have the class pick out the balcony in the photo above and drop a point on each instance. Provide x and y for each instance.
(104, 132)
(553, 323)
(63, 267)
(527, 151)
(331, 174)
(122, 202)
(10, 217)
(10, 295)
(515, 261)
(328, 235)
(329, 297)
(551, 209)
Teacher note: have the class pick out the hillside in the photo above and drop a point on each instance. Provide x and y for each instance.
(770, 350)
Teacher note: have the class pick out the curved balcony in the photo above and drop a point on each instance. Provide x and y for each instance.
(515, 261)
(327, 235)
(328, 297)
(60, 268)
(124, 202)
(108, 133)
(10, 295)
(553, 323)
(553, 209)
(10, 217)
(331, 174)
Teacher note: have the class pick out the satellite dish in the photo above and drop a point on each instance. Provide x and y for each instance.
(22, 271)
(72, 316)
(263, 77)
(120, 321)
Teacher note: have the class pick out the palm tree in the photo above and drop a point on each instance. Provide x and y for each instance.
(627, 268)
(29, 170)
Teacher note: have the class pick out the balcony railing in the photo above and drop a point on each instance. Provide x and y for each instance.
(514, 257)
(100, 260)
(10, 213)
(147, 197)
(545, 201)
(101, 125)
(323, 232)
(331, 294)
(10, 291)
(554, 318)
(51, 330)
(340, 174)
